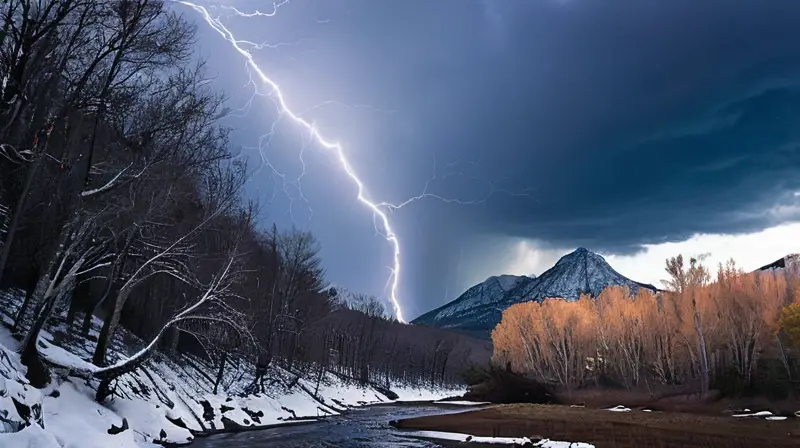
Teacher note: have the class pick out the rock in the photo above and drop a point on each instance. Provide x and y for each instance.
(116, 430)
(208, 411)
(177, 422)
(255, 416)
(230, 424)
(289, 411)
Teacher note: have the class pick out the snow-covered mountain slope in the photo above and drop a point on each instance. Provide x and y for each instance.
(476, 306)
(579, 272)
(791, 262)
(480, 309)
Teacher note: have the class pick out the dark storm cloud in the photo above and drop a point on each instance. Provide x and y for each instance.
(634, 122)
(642, 121)
(631, 122)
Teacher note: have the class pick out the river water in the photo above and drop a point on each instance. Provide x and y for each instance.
(361, 427)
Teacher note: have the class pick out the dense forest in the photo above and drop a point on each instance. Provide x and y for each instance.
(739, 333)
(119, 199)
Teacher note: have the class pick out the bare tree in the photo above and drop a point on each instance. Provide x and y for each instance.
(213, 304)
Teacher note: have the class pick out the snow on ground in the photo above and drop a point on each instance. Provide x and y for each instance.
(619, 408)
(767, 415)
(466, 438)
(77, 421)
(338, 394)
(30, 437)
(165, 401)
(407, 393)
(754, 414)
(463, 403)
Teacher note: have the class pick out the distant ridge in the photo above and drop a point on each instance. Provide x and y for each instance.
(792, 261)
(480, 308)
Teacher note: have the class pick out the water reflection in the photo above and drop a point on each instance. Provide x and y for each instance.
(360, 428)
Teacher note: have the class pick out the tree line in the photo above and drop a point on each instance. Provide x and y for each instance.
(362, 342)
(738, 333)
(119, 198)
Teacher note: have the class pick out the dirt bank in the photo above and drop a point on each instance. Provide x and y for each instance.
(614, 429)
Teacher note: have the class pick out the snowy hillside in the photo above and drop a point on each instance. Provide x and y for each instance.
(480, 309)
(476, 305)
(169, 400)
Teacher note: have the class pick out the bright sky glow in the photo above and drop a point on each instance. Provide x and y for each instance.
(750, 251)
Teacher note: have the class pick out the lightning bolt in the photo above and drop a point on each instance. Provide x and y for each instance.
(277, 96)
(425, 194)
(379, 209)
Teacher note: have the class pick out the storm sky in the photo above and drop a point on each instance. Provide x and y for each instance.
(626, 127)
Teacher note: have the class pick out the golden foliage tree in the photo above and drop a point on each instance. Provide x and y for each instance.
(687, 334)
(790, 323)
(748, 306)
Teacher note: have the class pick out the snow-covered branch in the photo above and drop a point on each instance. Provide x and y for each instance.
(16, 156)
(108, 185)
(216, 293)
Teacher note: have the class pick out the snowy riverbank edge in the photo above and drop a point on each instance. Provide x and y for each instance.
(307, 421)
(160, 406)
(169, 402)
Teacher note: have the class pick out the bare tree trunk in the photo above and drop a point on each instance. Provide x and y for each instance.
(117, 267)
(26, 303)
(80, 294)
(109, 327)
(37, 373)
(19, 209)
(319, 379)
(783, 357)
(87, 320)
(701, 340)
(221, 370)
(45, 276)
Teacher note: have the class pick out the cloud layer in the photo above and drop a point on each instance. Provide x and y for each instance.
(627, 123)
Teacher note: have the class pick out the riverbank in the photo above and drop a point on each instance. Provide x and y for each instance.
(363, 427)
(605, 428)
(170, 401)
(166, 404)
(437, 405)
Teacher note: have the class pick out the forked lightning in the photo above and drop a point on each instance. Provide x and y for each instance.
(280, 101)
(379, 209)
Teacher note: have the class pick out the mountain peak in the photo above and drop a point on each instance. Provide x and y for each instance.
(480, 308)
(579, 272)
(581, 255)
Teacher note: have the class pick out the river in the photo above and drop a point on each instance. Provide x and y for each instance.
(366, 427)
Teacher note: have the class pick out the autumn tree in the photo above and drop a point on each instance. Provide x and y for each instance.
(693, 333)
(748, 306)
(686, 283)
(553, 338)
